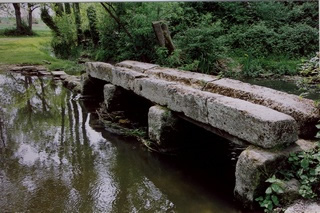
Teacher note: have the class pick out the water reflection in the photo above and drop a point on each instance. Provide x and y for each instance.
(53, 160)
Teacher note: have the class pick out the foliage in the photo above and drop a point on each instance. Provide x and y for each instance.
(310, 69)
(92, 18)
(64, 43)
(271, 199)
(263, 37)
(303, 166)
(34, 50)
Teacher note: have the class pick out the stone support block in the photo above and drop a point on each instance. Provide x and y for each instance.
(162, 125)
(112, 97)
(255, 165)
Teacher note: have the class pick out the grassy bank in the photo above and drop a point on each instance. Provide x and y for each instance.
(34, 50)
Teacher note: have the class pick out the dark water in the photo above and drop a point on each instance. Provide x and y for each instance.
(55, 157)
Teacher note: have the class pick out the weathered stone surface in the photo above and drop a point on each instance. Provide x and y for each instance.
(136, 65)
(125, 77)
(255, 165)
(196, 80)
(190, 101)
(100, 70)
(154, 90)
(291, 191)
(302, 110)
(250, 122)
(161, 124)
(25, 68)
(73, 83)
(260, 125)
(28, 69)
(44, 73)
(111, 94)
(304, 206)
(58, 73)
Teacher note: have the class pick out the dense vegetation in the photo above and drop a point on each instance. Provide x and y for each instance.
(230, 38)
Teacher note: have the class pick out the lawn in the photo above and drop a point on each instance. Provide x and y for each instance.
(34, 50)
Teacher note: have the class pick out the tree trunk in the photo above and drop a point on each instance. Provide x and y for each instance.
(76, 10)
(67, 8)
(18, 16)
(163, 35)
(58, 8)
(48, 20)
(30, 15)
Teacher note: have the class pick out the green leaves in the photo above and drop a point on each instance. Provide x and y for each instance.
(305, 163)
(276, 188)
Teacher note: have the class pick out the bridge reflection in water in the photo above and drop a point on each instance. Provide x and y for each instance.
(56, 157)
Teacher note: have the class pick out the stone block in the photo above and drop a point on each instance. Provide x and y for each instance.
(306, 206)
(112, 95)
(301, 109)
(155, 90)
(136, 65)
(191, 102)
(255, 165)
(99, 70)
(124, 77)
(193, 79)
(161, 125)
(254, 123)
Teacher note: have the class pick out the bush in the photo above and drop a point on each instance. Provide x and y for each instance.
(64, 43)
(201, 47)
(24, 31)
(258, 40)
(298, 40)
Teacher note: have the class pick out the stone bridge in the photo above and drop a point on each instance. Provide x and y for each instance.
(262, 119)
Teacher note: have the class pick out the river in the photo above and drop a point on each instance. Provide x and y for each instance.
(56, 157)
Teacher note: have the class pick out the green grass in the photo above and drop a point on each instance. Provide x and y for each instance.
(33, 50)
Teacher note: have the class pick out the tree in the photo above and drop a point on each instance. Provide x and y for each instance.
(48, 20)
(76, 11)
(31, 8)
(18, 16)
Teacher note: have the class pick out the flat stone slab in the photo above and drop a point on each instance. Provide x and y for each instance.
(28, 69)
(256, 124)
(196, 80)
(44, 73)
(99, 70)
(136, 65)
(301, 109)
(58, 73)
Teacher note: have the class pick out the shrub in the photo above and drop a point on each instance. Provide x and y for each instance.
(297, 40)
(64, 43)
(24, 31)
(258, 40)
(201, 47)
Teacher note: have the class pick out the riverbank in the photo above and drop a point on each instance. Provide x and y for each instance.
(34, 50)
